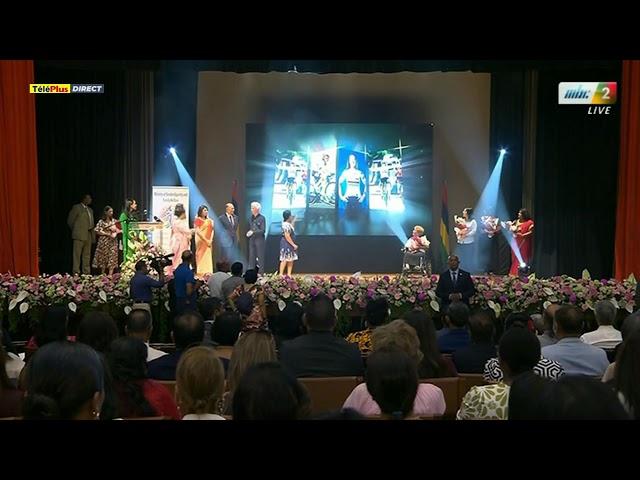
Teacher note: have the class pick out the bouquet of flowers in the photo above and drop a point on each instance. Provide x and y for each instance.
(490, 225)
(460, 228)
(143, 249)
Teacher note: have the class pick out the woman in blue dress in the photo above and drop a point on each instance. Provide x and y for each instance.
(288, 246)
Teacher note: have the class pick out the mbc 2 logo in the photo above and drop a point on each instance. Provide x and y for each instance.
(598, 95)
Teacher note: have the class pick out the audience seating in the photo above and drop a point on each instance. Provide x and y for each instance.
(329, 393)
(147, 418)
(169, 385)
(468, 380)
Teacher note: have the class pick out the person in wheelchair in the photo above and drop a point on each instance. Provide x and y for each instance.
(416, 252)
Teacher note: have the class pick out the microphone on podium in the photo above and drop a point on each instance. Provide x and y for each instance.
(157, 219)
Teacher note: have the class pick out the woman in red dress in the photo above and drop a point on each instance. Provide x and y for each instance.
(522, 230)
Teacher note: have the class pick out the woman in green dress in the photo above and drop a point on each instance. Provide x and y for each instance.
(127, 215)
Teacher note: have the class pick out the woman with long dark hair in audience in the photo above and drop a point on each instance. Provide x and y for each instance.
(392, 380)
(139, 396)
(433, 364)
(267, 392)
(626, 378)
(64, 381)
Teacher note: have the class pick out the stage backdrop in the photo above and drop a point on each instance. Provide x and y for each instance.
(164, 202)
(458, 105)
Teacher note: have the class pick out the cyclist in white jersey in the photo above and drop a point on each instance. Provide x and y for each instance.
(354, 178)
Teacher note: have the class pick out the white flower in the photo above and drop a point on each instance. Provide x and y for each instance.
(24, 307)
(13, 303)
(281, 305)
(337, 304)
(435, 305)
(21, 296)
(72, 307)
(103, 295)
(127, 309)
(71, 293)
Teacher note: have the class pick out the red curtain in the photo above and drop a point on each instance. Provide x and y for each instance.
(19, 217)
(628, 213)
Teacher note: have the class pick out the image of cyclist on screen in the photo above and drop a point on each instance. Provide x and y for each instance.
(356, 183)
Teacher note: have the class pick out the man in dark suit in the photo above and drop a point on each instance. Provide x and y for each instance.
(320, 353)
(257, 227)
(81, 223)
(455, 284)
(188, 329)
(229, 233)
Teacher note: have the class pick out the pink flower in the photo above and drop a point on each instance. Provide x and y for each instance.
(13, 288)
(421, 296)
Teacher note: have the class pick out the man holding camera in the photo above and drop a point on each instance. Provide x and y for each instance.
(142, 283)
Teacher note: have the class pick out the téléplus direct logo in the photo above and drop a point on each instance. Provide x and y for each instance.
(66, 88)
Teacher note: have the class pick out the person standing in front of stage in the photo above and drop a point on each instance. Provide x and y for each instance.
(81, 223)
(466, 239)
(288, 246)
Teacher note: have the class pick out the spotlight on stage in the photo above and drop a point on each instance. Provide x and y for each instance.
(172, 150)
(503, 152)
(524, 269)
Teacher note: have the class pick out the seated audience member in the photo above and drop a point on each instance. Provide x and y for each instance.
(627, 378)
(12, 364)
(199, 384)
(377, 313)
(320, 353)
(232, 282)
(250, 286)
(545, 367)
(215, 279)
(433, 364)
(98, 330)
(575, 356)
(629, 326)
(253, 347)
(392, 381)
(140, 325)
(249, 301)
(288, 325)
(578, 397)
(538, 323)
(10, 396)
(548, 337)
(398, 335)
(210, 308)
(64, 381)
(224, 334)
(188, 330)
(473, 358)
(605, 336)
(455, 334)
(518, 352)
(342, 414)
(267, 392)
(526, 394)
(139, 396)
(52, 327)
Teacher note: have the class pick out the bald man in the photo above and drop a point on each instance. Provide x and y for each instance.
(228, 235)
(548, 337)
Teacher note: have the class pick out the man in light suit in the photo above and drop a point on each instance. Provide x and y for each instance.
(257, 227)
(455, 284)
(229, 233)
(81, 223)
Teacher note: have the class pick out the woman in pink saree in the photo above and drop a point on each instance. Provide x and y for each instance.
(180, 236)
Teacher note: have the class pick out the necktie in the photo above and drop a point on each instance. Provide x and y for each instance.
(455, 274)
(231, 221)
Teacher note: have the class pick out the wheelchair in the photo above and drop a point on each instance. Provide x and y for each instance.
(417, 263)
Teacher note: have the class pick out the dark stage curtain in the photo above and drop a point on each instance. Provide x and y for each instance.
(18, 170)
(627, 225)
(88, 143)
(576, 173)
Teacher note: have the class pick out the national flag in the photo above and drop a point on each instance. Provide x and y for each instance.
(444, 225)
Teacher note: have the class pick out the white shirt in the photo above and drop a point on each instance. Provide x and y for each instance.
(215, 284)
(153, 353)
(203, 416)
(469, 237)
(605, 337)
(353, 176)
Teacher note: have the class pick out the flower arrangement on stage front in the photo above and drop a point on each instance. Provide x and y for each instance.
(23, 297)
(142, 249)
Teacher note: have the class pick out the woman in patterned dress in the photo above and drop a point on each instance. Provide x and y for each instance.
(288, 246)
(106, 256)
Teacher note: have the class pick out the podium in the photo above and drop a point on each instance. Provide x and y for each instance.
(155, 231)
